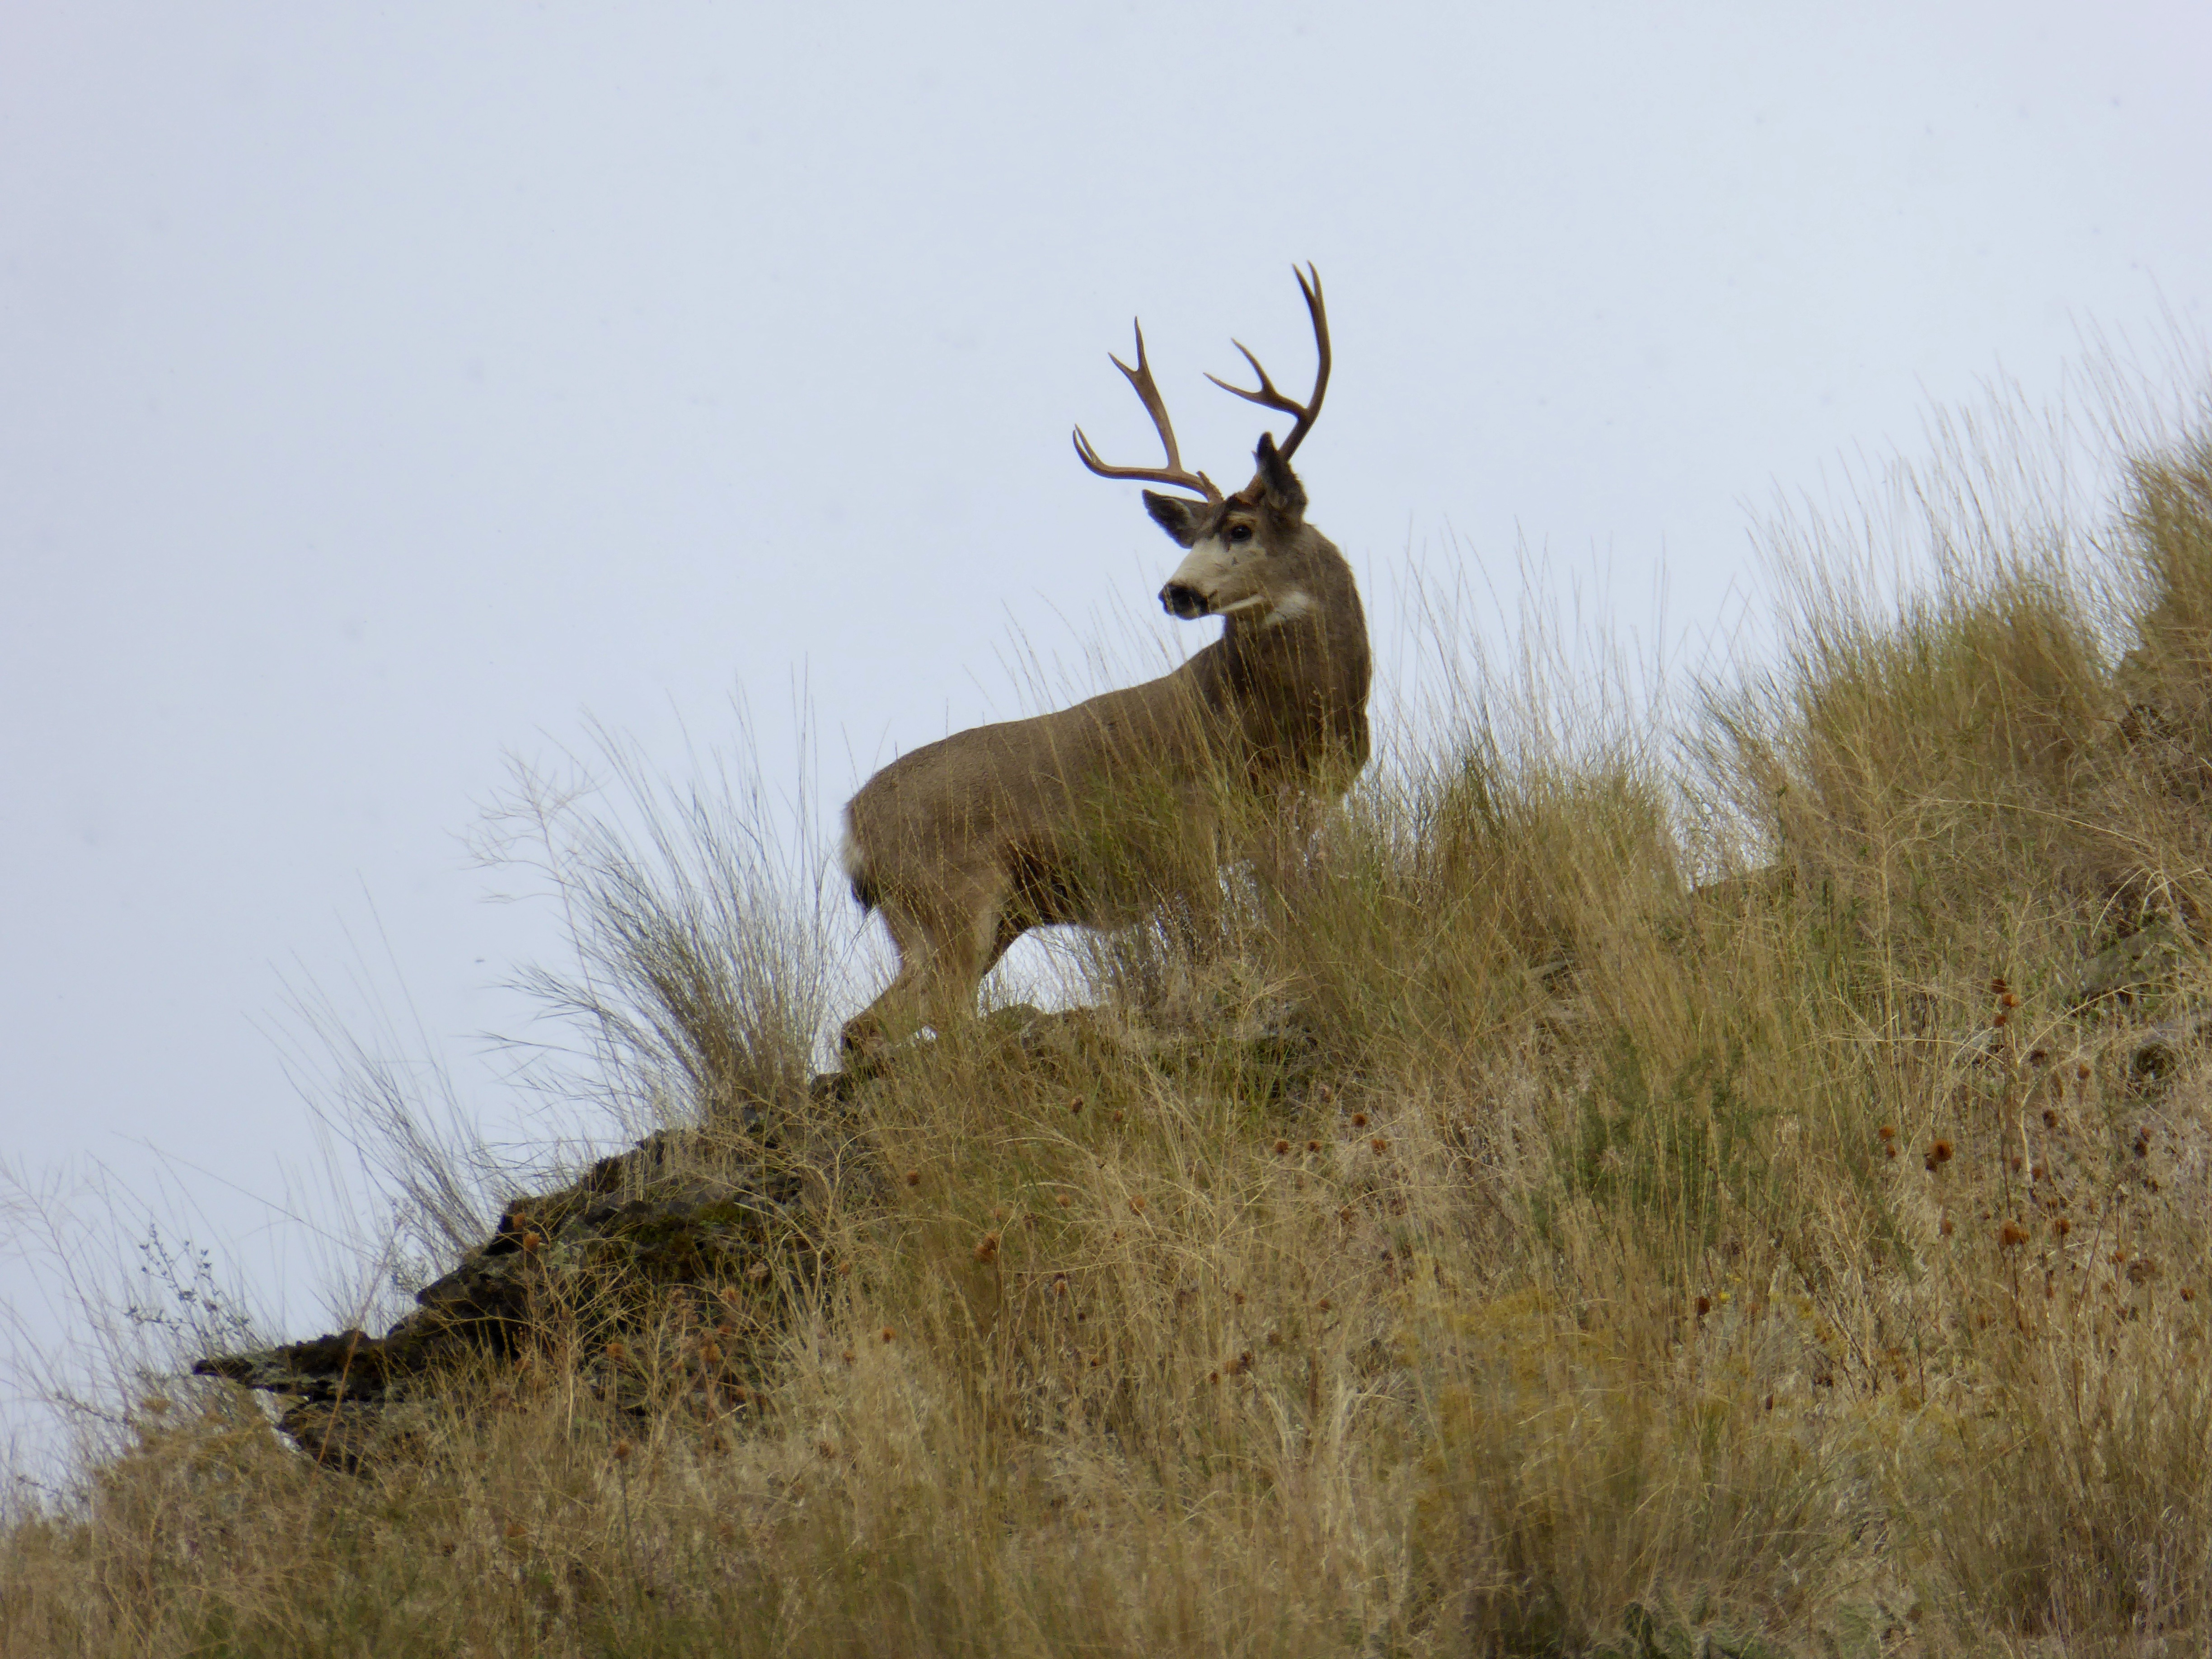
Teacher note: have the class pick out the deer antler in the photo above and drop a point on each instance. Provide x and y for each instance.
(1173, 473)
(1267, 397)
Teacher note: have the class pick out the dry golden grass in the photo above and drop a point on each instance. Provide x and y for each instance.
(1640, 1201)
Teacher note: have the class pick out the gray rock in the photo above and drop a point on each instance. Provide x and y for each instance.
(590, 1259)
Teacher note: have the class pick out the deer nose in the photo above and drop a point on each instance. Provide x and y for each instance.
(1179, 599)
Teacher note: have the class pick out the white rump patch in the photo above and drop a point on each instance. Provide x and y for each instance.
(1295, 603)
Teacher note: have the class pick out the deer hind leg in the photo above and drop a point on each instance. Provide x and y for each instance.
(1002, 940)
(943, 953)
(893, 1017)
(976, 933)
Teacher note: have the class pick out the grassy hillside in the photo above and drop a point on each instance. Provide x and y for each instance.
(1740, 1188)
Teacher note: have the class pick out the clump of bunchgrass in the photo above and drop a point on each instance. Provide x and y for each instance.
(704, 955)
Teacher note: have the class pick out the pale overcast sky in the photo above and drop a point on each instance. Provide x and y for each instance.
(387, 389)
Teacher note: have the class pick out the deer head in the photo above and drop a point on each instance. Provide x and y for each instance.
(1250, 553)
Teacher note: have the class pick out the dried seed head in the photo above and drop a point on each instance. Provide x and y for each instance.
(1705, 1306)
(1322, 1304)
(729, 1295)
(1997, 985)
(622, 1450)
(2010, 999)
(913, 1177)
(711, 1353)
(1313, 1145)
(757, 1272)
(988, 1250)
(1062, 1199)
(2011, 1234)
(889, 1335)
(1075, 1104)
(531, 1243)
(1136, 1203)
(1888, 1131)
(1945, 1228)
(2062, 1226)
(2081, 1070)
(2049, 1118)
(850, 1358)
(617, 1352)
(1359, 1120)
(1282, 1146)
(1378, 1144)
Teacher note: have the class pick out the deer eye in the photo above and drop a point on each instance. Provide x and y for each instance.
(1239, 533)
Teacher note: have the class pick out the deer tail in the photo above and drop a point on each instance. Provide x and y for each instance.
(854, 864)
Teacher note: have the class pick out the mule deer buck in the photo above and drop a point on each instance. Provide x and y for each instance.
(966, 843)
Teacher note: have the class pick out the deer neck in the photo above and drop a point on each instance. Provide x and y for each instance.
(1317, 627)
(1291, 681)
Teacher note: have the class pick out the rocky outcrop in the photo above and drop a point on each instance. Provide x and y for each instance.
(665, 1274)
(591, 1268)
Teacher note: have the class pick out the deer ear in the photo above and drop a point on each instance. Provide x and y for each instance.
(1284, 493)
(1178, 517)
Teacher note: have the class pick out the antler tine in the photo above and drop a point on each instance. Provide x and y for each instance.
(1267, 397)
(1173, 473)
